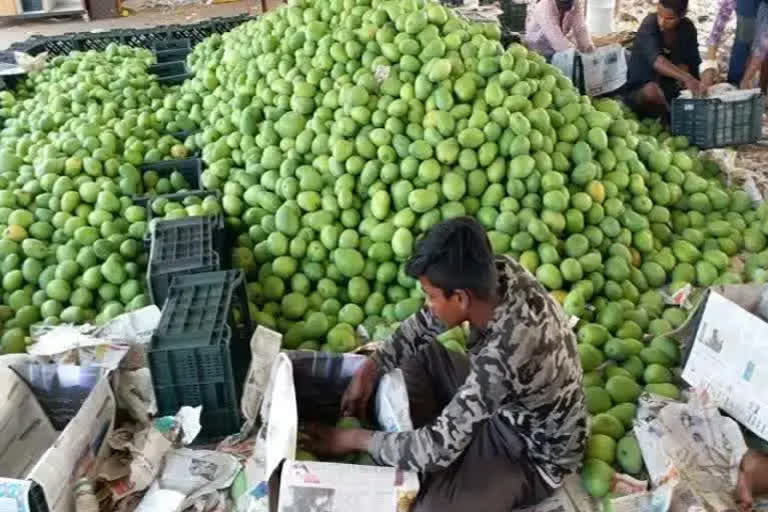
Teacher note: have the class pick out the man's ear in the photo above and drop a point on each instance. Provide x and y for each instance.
(464, 298)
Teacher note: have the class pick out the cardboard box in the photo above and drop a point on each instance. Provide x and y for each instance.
(725, 344)
(53, 428)
(307, 386)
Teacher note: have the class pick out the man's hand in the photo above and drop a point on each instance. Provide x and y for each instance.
(358, 394)
(750, 73)
(330, 441)
(708, 78)
(694, 86)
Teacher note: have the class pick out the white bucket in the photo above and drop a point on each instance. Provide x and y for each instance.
(600, 17)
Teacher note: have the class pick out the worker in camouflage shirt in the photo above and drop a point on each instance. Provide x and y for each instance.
(496, 429)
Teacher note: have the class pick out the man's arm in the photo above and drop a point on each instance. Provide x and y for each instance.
(580, 30)
(548, 17)
(755, 61)
(724, 13)
(415, 331)
(663, 66)
(437, 445)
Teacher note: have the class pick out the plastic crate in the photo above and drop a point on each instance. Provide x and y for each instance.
(179, 197)
(509, 38)
(196, 33)
(100, 42)
(197, 355)
(146, 38)
(172, 55)
(171, 73)
(182, 135)
(199, 312)
(171, 44)
(711, 122)
(190, 168)
(175, 79)
(141, 38)
(513, 16)
(220, 416)
(167, 69)
(182, 246)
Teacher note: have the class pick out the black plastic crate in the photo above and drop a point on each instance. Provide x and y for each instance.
(195, 33)
(182, 246)
(165, 56)
(513, 16)
(99, 42)
(190, 168)
(509, 38)
(61, 45)
(197, 356)
(9, 81)
(712, 122)
(220, 416)
(198, 306)
(182, 135)
(179, 197)
(200, 312)
(171, 44)
(146, 38)
(170, 73)
(167, 69)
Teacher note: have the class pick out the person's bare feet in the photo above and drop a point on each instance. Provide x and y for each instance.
(753, 479)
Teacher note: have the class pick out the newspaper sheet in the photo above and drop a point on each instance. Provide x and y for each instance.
(605, 69)
(729, 359)
(692, 454)
(148, 448)
(326, 487)
(24, 437)
(265, 345)
(107, 346)
(187, 476)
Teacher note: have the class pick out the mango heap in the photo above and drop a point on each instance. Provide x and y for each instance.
(337, 132)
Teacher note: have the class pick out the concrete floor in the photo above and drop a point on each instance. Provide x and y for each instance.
(19, 30)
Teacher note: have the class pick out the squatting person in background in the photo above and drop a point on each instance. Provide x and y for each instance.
(665, 60)
(498, 428)
(749, 54)
(557, 25)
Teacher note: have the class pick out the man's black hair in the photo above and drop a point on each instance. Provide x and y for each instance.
(456, 254)
(679, 6)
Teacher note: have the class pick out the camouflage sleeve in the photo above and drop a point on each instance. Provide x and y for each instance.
(413, 332)
(436, 446)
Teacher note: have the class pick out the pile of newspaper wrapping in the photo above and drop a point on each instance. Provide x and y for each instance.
(142, 464)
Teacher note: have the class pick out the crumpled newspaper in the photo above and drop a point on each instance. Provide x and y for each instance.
(754, 181)
(691, 451)
(31, 63)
